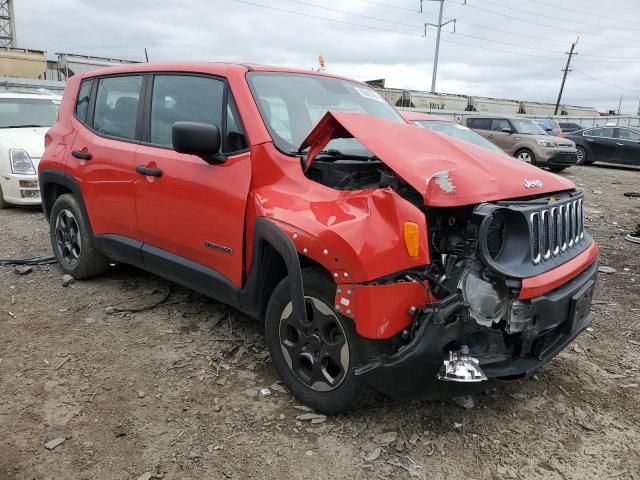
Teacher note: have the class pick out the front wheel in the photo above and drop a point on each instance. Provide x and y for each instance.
(316, 358)
(526, 155)
(557, 169)
(581, 155)
(71, 240)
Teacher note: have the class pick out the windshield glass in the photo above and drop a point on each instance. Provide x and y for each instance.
(291, 104)
(27, 112)
(456, 130)
(527, 127)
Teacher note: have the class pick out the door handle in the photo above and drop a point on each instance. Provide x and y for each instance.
(82, 155)
(149, 172)
(589, 140)
(620, 144)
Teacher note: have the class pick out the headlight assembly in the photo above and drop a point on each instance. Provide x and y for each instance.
(488, 302)
(21, 162)
(547, 143)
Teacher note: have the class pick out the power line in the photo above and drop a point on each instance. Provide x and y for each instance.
(553, 27)
(413, 25)
(606, 83)
(360, 25)
(597, 15)
(537, 14)
(343, 22)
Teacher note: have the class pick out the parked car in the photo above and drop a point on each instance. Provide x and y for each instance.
(449, 128)
(611, 144)
(378, 255)
(568, 127)
(549, 125)
(525, 140)
(24, 119)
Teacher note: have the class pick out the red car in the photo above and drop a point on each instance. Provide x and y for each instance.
(380, 255)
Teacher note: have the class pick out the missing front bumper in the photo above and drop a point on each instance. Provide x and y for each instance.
(411, 372)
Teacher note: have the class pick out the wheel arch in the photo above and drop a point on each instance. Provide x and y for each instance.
(274, 257)
(54, 183)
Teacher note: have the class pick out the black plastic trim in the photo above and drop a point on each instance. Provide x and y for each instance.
(266, 233)
(49, 177)
(120, 248)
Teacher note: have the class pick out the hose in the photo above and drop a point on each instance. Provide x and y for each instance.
(28, 261)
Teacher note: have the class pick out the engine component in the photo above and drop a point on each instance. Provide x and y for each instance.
(461, 367)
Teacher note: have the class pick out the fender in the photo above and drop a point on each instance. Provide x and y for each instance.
(47, 179)
(266, 233)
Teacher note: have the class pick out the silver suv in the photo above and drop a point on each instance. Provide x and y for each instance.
(525, 140)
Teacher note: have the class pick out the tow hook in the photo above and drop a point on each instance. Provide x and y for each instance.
(461, 367)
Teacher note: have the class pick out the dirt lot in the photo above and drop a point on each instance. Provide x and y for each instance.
(174, 392)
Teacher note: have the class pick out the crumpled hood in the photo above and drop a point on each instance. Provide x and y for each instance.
(30, 139)
(447, 172)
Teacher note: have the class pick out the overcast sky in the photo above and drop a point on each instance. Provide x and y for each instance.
(393, 48)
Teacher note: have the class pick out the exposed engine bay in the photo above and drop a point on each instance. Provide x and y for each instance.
(479, 254)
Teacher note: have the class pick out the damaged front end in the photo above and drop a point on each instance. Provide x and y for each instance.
(485, 325)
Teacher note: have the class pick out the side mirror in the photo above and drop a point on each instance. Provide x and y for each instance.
(506, 130)
(201, 139)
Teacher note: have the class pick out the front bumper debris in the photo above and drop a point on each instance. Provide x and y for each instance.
(411, 373)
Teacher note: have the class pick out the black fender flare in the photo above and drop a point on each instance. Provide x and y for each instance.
(49, 177)
(266, 232)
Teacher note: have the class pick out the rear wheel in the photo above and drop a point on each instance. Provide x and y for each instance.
(316, 358)
(71, 241)
(526, 155)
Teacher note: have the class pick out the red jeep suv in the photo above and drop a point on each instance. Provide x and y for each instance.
(380, 255)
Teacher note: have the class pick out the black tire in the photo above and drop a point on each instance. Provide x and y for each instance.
(349, 391)
(3, 203)
(524, 153)
(557, 169)
(71, 241)
(581, 156)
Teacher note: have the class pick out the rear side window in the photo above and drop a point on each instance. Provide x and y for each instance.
(499, 123)
(116, 107)
(627, 134)
(479, 123)
(191, 98)
(82, 103)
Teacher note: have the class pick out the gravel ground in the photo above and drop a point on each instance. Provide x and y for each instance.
(174, 392)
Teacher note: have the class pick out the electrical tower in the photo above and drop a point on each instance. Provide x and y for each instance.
(439, 26)
(566, 70)
(7, 24)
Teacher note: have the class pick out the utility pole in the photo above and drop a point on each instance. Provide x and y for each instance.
(620, 104)
(566, 70)
(439, 26)
(7, 24)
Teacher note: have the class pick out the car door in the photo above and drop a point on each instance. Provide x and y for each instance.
(505, 140)
(192, 216)
(103, 152)
(628, 146)
(603, 146)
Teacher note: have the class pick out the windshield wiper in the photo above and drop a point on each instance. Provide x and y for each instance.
(338, 155)
(23, 126)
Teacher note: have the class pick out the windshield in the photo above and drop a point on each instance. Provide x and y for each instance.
(291, 104)
(527, 127)
(27, 112)
(456, 130)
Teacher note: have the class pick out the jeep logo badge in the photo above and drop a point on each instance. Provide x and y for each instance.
(532, 183)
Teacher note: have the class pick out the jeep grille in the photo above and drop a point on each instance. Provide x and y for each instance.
(556, 229)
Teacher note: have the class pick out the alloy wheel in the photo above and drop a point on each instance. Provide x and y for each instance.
(68, 238)
(316, 350)
(525, 157)
(579, 156)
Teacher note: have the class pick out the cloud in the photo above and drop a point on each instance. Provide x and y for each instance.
(227, 30)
